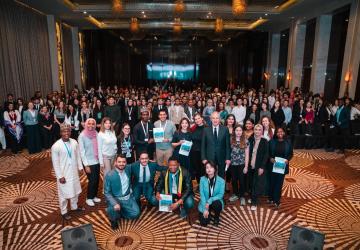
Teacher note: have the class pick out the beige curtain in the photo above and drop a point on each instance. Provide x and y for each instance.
(24, 51)
(68, 58)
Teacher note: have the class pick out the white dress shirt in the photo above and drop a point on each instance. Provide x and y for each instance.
(141, 174)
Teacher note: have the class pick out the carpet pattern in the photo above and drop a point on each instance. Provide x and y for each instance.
(321, 192)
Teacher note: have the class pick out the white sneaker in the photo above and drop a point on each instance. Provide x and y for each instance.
(233, 198)
(96, 199)
(242, 201)
(90, 202)
(253, 208)
(249, 201)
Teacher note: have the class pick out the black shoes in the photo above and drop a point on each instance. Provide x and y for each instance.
(216, 222)
(114, 225)
(66, 216)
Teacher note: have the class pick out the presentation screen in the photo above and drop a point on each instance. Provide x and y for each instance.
(171, 71)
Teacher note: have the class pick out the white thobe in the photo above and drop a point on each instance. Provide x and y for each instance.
(68, 167)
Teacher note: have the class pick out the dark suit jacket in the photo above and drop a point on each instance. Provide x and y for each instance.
(262, 155)
(113, 187)
(187, 112)
(187, 188)
(219, 149)
(139, 138)
(135, 171)
(344, 117)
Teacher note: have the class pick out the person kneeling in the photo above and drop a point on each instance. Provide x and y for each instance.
(177, 182)
(118, 194)
(212, 189)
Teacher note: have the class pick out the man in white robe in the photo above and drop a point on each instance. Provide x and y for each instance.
(66, 161)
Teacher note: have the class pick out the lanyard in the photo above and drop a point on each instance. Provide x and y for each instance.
(212, 187)
(164, 125)
(147, 128)
(68, 150)
(130, 111)
(127, 143)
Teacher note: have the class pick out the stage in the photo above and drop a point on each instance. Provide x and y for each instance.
(321, 192)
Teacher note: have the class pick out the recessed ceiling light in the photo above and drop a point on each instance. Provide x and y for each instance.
(346, 20)
(266, 14)
(207, 16)
(142, 12)
(277, 6)
(209, 13)
(84, 12)
(144, 16)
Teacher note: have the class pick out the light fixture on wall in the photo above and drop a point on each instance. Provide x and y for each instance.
(117, 6)
(238, 6)
(219, 25)
(347, 81)
(177, 27)
(134, 25)
(288, 78)
(179, 7)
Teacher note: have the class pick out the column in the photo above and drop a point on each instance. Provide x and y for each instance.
(76, 56)
(352, 51)
(273, 66)
(53, 53)
(296, 53)
(320, 55)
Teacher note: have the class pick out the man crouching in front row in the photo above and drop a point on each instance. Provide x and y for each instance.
(118, 194)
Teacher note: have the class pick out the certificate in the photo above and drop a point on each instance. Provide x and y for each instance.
(158, 134)
(279, 165)
(185, 148)
(165, 202)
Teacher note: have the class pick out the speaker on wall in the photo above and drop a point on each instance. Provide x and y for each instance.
(305, 239)
(79, 238)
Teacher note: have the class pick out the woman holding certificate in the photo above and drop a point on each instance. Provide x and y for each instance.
(281, 152)
(182, 143)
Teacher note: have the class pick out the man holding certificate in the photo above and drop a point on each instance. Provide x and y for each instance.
(164, 130)
(281, 152)
(175, 182)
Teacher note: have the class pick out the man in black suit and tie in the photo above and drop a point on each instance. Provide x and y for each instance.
(143, 175)
(143, 135)
(215, 144)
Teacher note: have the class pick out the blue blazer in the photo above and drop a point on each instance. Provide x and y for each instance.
(113, 187)
(135, 171)
(218, 193)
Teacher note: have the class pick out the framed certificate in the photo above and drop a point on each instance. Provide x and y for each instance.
(158, 134)
(165, 203)
(185, 148)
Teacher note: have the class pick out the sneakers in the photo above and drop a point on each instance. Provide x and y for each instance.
(249, 201)
(270, 202)
(242, 201)
(216, 222)
(90, 202)
(277, 205)
(96, 199)
(253, 208)
(234, 197)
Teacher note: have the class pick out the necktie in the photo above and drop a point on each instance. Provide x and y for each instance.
(215, 134)
(144, 174)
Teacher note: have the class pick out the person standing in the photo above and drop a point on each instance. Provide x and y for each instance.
(114, 112)
(143, 135)
(164, 149)
(212, 189)
(32, 129)
(66, 161)
(119, 197)
(239, 112)
(190, 111)
(215, 144)
(125, 143)
(279, 147)
(177, 113)
(88, 144)
(239, 164)
(59, 118)
(107, 145)
(258, 158)
(2, 133)
(195, 153)
(72, 118)
(277, 115)
(46, 122)
(12, 122)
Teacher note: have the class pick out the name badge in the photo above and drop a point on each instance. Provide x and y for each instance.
(128, 154)
(146, 139)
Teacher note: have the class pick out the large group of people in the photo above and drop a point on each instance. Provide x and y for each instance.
(221, 139)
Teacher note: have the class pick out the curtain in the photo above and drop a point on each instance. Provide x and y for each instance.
(68, 58)
(24, 51)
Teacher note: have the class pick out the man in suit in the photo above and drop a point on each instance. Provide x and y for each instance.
(215, 144)
(190, 110)
(176, 181)
(143, 174)
(157, 108)
(143, 135)
(117, 190)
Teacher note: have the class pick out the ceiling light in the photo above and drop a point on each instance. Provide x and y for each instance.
(142, 12)
(122, 38)
(194, 37)
(219, 25)
(85, 12)
(277, 6)
(266, 14)
(155, 38)
(346, 20)
(179, 6)
(238, 7)
(134, 25)
(209, 13)
(117, 6)
(144, 16)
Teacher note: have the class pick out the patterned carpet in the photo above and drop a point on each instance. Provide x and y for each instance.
(322, 192)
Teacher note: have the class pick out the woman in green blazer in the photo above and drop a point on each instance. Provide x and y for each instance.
(212, 188)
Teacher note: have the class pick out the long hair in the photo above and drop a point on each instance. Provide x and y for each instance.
(271, 126)
(242, 138)
(227, 117)
(122, 135)
(105, 119)
(184, 119)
